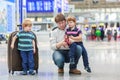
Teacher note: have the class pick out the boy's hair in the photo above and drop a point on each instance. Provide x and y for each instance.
(71, 18)
(59, 17)
(26, 23)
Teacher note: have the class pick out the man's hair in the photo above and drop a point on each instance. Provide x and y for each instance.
(71, 18)
(26, 23)
(59, 17)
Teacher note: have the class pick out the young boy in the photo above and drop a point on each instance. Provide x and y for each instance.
(74, 34)
(26, 46)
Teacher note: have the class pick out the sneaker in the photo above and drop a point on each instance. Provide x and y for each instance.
(31, 72)
(72, 61)
(60, 70)
(88, 69)
(24, 73)
(75, 71)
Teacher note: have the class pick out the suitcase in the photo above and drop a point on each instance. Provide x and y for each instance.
(14, 58)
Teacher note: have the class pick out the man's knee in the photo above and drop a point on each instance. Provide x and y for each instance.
(79, 50)
(59, 62)
(58, 59)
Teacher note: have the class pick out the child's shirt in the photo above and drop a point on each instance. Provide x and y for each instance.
(74, 32)
(25, 40)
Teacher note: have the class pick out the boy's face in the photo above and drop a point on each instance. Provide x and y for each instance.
(71, 24)
(27, 28)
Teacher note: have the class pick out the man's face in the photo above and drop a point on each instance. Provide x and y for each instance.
(62, 24)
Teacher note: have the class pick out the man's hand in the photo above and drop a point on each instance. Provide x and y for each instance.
(62, 43)
(65, 44)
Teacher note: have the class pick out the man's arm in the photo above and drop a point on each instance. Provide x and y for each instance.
(59, 44)
(53, 41)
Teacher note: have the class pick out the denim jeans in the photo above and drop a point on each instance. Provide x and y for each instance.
(62, 56)
(84, 56)
(27, 60)
(72, 50)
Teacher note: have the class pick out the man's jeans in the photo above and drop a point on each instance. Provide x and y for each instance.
(27, 60)
(62, 56)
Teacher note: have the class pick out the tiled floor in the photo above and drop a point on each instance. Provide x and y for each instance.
(104, 58)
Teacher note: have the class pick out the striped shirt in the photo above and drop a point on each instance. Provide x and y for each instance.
(75, 32)
(25, 40)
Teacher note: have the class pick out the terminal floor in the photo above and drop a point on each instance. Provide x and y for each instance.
(104, 59)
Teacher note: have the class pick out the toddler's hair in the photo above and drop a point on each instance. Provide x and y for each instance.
(71, 18)
(26, 23)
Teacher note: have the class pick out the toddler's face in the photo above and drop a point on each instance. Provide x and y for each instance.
(27, 28)
(71, 24)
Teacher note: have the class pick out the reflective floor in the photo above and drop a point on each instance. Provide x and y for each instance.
(104, 58)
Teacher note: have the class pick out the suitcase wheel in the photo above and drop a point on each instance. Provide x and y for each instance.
(12, 72)
(9, 71)
(37, 71)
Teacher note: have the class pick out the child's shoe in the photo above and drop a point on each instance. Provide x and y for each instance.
(72, 61)
(88, 69)
(24, 73)
(31, 72)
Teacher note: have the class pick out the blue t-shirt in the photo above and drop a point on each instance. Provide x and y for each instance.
(25, 40)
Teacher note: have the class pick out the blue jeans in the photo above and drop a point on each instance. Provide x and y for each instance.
(62, 56)
(27, 60)
(72, 50)
(85, 56)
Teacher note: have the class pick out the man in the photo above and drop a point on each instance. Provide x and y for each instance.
(58, 44)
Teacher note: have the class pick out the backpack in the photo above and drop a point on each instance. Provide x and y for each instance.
(109, 32)
(115, 32)
(54, 28)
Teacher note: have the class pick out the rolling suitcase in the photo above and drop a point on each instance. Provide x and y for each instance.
(14, 58)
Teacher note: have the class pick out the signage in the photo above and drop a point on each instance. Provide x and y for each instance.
(39, 5)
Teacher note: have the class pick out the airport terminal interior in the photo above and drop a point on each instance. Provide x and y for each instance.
(99, 21)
